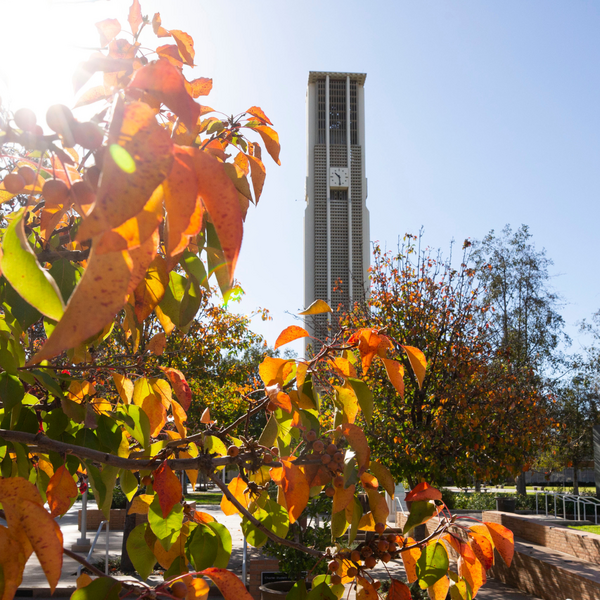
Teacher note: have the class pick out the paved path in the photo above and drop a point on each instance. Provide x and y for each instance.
(35, 582)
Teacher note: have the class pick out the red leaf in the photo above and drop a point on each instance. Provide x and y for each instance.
(399, 591)
(483, 549)
(200, 87)
(257, 112)
(221, 201)
(168, 487)
(423, 491)
(180, 386)
(170, 52)
(185, 45)
(135, 16)
(289, 334)
(165, 81)
(228, 583)
(61, 488)
(109, 29)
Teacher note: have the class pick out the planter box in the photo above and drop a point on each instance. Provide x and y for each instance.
(117, 519)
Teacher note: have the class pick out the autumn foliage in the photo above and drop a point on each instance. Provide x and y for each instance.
(116, 227)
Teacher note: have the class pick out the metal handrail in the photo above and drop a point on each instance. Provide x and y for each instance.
(79, 569)
(578, 502)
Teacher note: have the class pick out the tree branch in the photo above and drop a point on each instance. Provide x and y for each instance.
(53, 255)
(279, 540)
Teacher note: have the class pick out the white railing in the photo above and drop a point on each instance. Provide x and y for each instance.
(579, 502)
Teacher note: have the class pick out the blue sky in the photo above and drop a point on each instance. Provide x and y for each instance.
(478, 114)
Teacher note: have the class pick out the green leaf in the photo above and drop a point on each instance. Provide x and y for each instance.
(253, 535)
(357, 513)
(321, 592)
(224, 551)
(202, 547)
(338, 590)
(12, 391)
(460, 590)
(171, 302)
(298, 591)
(22, 311)
(269, 433)
(21, 268)
(383, 476)
(66, 275)
(137, 423)
(420, 512)
(142, 557)
(194, 267)
(48, 382)
(103, 588)
(166, 530)
(338, 525)
(432, 564)
(190, 304)
(129, 483)
(280, 518)
(365, 397)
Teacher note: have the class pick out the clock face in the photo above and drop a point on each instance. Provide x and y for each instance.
(338, 177)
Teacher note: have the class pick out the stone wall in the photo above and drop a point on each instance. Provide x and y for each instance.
(257, 563)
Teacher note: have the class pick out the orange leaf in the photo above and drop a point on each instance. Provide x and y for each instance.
(395, 372)
(473, 573)
(205, 418)
(167, 84)
(271, 141)
(220, 199)
(357, 440)
(257, 112)
(202, 517)
(170, 53)
(200, 87)
(271, 370)
(45, 537)
(140, 505)
(99, 296)
(184, 205)
(142, 257)
(197, 588)
(417, 362)
(12, 559)
(157, 26)
(108, 29)
(343, 366)
(180, 386)
(135, 16)
(483, 549)
(369, 481)
(316, 475)
(423, 491)
(150, 292)
(237, 487)
(439, 590)
(367, 522)
(156, 413)
(185, 45)
(504, 541)
(124, 192)
(168, 487)
(259, 173)
(157, 344)
(398, 591)
(289, 334)
(279, 398)
(179, 417)
(228, 583)
(379, 506)
(461, 548)
(291, 480)
(342, 498)
(135, 231)
(61, 488)
(410, 558)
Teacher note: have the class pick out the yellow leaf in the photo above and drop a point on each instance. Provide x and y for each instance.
(316, 308)
(157, 344)
(12, 561)
(124, 387)
(151, 290)
(271, 370)
(140, 504)
(439, 590)
(410, 558)
(417, 362)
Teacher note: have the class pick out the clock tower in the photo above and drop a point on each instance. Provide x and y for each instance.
(336, 221)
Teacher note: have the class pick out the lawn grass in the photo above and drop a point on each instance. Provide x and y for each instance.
(204, 497)
(588, 528)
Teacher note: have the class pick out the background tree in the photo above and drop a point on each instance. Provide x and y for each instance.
(525, 325)
(468, 417)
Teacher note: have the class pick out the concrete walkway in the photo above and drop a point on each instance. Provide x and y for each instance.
(35, 583)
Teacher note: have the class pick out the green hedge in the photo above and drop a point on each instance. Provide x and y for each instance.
(484, 500)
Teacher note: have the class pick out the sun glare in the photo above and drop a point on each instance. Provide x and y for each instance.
(40, 45)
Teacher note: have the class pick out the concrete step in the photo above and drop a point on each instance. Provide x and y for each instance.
(549, 574)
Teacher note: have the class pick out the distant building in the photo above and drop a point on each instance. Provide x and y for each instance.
(336, 221)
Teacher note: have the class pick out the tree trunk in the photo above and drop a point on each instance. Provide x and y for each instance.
(521, 484)
(126, 564)
(477, 485)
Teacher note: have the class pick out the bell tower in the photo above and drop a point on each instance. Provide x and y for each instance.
(336, 220)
